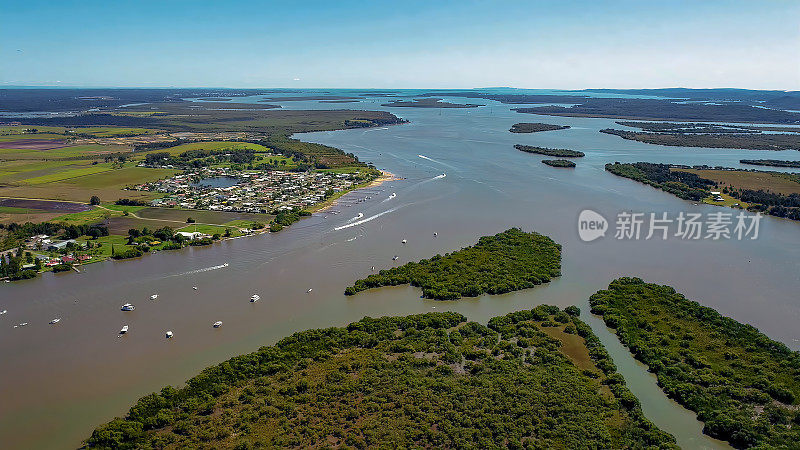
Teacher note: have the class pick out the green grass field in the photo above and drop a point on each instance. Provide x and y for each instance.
(15, 210)
(209, 229)
(85, 151)
(87, 217)
(124, 208)
(728, 201)
(211, 145)
(10, 137)
(121, 177)
(70, 173)
(59, 132)
(9, 170)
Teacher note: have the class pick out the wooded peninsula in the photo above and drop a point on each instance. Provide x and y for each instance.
(773, 193)
(771, 162)
(743, 385)
(531, 379)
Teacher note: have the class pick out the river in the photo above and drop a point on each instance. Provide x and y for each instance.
(70, 377)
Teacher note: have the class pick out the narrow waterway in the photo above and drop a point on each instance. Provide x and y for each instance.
(461, 178)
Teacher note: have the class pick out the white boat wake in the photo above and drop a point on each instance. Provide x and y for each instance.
(360, 215)
(437, 162)
(368, 219)
(221, 266)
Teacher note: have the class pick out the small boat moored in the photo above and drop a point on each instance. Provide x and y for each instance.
(217, 324)
(127, 307)
(395, 258)
(309, 290)
(404, 241)
(169, 334)
(55, 321)
(194, 287)
(123, 330)
(254, 298)
(154, 296)
(3, 312)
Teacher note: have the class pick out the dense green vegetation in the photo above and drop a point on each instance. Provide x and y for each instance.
(688, 127)
(772, 203)
(557, 152)
(535, 127)
(691, 186)
(667, 109)
(743, 385)
(770, 162)
(531, 379)
(685, 185)
(725, 139)
(429, 103)
(558, 162)
(285, 218)
(508, 261)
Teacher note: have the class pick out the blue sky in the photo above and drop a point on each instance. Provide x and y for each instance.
(401, 44)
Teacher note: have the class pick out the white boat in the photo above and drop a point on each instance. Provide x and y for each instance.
(254, 298)
(404, 241)
(55, 321)
(169, 334)
(128, 307)
(309, 290)
(217, 324)
(22, 324)
(3, 312)
(435, 234)
(154, 296)
(194, 287)
(393, 195)
(123, 330)
(395, 258)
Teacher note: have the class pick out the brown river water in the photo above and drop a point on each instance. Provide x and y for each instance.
(58, 382)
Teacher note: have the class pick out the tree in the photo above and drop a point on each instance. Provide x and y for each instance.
(95, 200)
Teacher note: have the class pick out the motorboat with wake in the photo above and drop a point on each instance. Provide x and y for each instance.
(127, 307)
(55, 321)
(217, 324)
(123, 330)
(254, 298)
